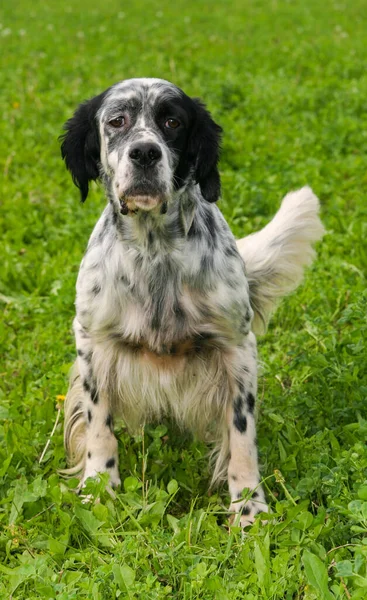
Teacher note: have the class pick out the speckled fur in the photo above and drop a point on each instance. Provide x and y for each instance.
(164, 309)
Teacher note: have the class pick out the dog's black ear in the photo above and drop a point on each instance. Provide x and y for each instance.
(80, 145)
(204, 147)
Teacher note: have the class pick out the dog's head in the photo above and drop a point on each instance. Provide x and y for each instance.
(145, 138)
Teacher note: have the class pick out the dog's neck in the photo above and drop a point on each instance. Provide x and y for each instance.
(157, 230)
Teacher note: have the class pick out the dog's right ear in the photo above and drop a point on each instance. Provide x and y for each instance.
(80, 145)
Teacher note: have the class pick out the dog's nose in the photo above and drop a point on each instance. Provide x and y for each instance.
(145, 154)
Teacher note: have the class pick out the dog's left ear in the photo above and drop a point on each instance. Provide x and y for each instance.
(204, 147)
(80, 147)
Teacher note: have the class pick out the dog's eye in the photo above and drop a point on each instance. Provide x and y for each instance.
(172, 124)
(118, 122)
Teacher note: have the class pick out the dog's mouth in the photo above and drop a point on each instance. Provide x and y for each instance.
(130, 205)
(143, 197)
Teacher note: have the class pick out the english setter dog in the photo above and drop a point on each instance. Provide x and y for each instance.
(168, 303)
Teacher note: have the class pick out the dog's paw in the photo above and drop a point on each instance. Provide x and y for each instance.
(113, 482)
(243, 513)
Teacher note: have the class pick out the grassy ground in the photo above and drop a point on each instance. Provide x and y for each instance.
(288, 82)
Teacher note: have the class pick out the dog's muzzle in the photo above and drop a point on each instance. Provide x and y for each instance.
(144, 192)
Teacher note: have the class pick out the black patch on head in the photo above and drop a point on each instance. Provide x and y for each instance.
(110, 463)
(203, 150)
(89, 455)
(250, 402)
(80, 145)
(195, 142)
(255, 494)
(245, 510)
(86, 386)
(89, 416)
(80, 352)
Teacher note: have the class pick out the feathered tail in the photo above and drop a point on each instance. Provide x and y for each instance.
(276, 256)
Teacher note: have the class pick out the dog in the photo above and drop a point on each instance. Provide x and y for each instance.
(168, 303)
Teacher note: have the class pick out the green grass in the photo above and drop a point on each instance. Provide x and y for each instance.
(288, 82)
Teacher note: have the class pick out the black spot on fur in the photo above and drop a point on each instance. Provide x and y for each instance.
(179, 312)
(109, 422)
(110, 463)
(255, 494)
(89, 416)
(80, 352)
(114, 217)
(239, 419)
(124, 279)
(206, 262)
(94, 396)
(240, 422)
(245, 510)
(250, 402)
(239, 495)
(209, 221)
(234, 477)
(96, 289)
(238, 404)
(86, 386)
(241, 387)
(195, 231)
(89, 454)
(231, 250)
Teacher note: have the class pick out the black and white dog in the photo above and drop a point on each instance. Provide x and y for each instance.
(167, 301)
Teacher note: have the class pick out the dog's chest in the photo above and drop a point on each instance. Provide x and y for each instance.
(162, 302)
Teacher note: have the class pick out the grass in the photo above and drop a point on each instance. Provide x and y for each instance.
(288, 82)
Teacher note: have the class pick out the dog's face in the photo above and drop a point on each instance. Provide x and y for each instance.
(146, 139)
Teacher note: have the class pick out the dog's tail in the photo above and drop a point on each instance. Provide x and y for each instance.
(276, 256)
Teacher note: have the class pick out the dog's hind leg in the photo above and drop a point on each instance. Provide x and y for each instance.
(88, 434)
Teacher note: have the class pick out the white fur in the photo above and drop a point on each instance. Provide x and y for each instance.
(276, 256)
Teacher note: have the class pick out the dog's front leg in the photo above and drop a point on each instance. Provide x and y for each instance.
(97, 444)
(247, 495)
